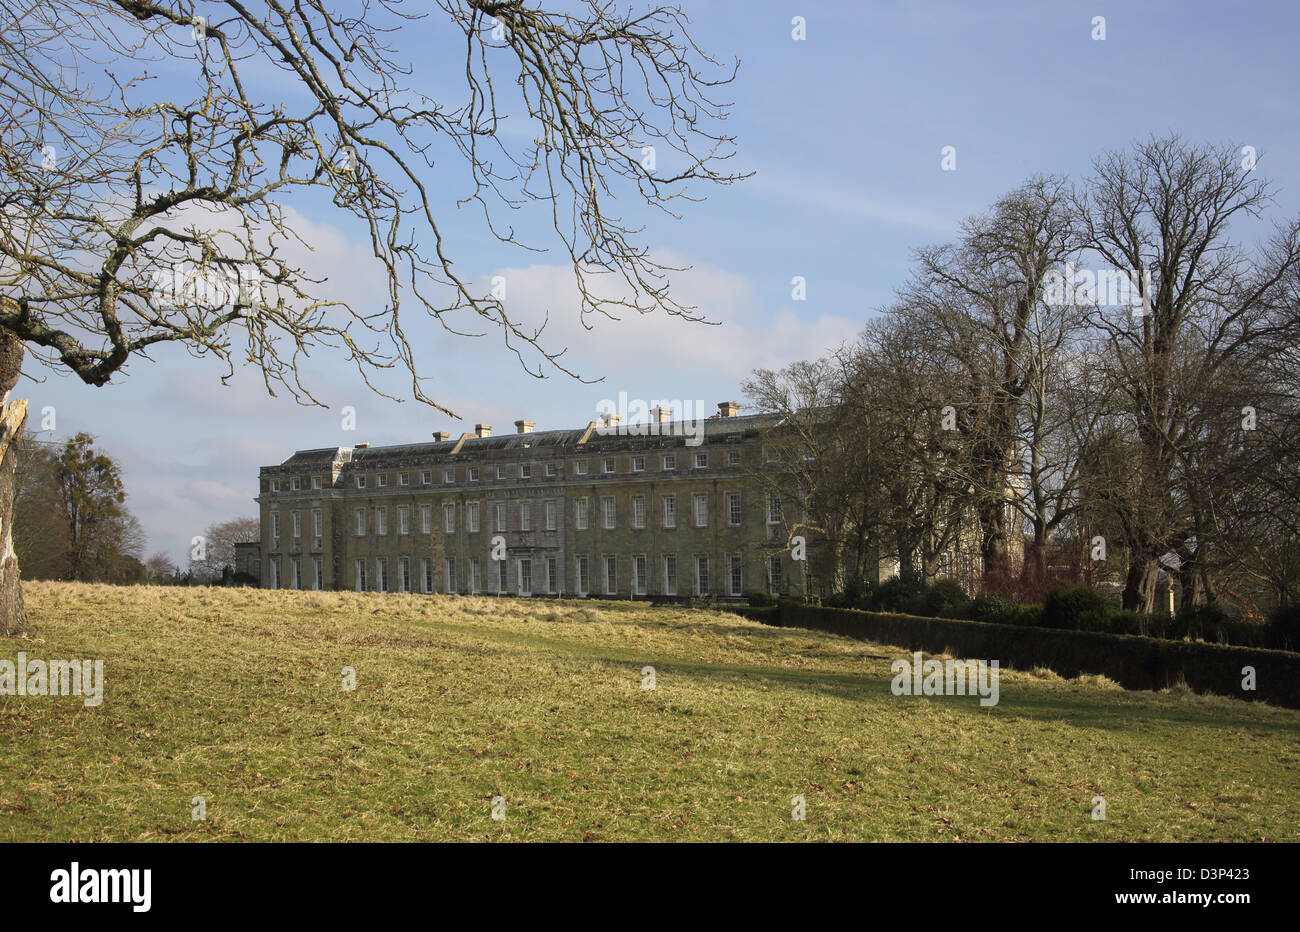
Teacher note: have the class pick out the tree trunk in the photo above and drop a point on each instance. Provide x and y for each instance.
(930, 564)
(993, 546)
(1140, 584)
(13, 417)
(906, 554)
(1189, 584)
(1033, 579)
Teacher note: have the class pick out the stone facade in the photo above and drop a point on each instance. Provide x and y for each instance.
(248, 559)
(670, 509)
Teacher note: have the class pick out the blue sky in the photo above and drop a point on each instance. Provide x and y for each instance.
(844, 131)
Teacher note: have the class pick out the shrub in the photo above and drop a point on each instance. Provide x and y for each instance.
(1067, 603)
(1028, 615)
(851, 597)
(1093, 619)
(866, 596)
(995, 609)
(1215, 624)
(945, 599)
(761, 599)
(896, 594)
(1127, 621)
(1209, 615)
(991, 607)
(1284, 627)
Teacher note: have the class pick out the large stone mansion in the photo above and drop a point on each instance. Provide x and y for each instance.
(667, 509)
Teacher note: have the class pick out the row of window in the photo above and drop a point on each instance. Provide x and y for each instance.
(581, 515)
(296, 579)
(295, 522)
(667, 462)
(547, 580)
(295, 484)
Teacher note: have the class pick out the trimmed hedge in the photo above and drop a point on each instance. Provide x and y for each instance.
(768, 614)
(1133, 662)
(1069, 606)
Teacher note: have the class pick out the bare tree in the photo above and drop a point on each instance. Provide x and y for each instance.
(803, 465)
(1249, 489)
(160, 567)
(138, 213)
(218, 547)
(121, 551)
(1161, 213)
(1063, 406)
(905, 388)
(982, 302)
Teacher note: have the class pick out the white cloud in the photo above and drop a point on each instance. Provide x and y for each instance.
(645, 347)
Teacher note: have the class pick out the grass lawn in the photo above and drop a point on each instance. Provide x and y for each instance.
(237, 696)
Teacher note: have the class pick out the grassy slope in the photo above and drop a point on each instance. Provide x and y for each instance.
(236, 696)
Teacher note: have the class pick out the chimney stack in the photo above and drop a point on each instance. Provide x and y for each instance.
(483, 430)
(524, 427)
(441, 436)
(661, 415)
(728, 409)
(612, 420)
(361, 446)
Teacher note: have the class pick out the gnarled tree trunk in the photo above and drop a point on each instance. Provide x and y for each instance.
(1140, 584)
(13, 416)
(994, 546)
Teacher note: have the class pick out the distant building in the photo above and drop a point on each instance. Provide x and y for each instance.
(667, 509)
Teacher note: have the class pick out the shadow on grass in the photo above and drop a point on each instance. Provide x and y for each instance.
(1118, 710)
(1112, 710)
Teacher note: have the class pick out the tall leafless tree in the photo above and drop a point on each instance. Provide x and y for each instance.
(1162, 213)
(982, 302)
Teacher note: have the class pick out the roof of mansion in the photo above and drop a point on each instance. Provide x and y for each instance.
(666, 433)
